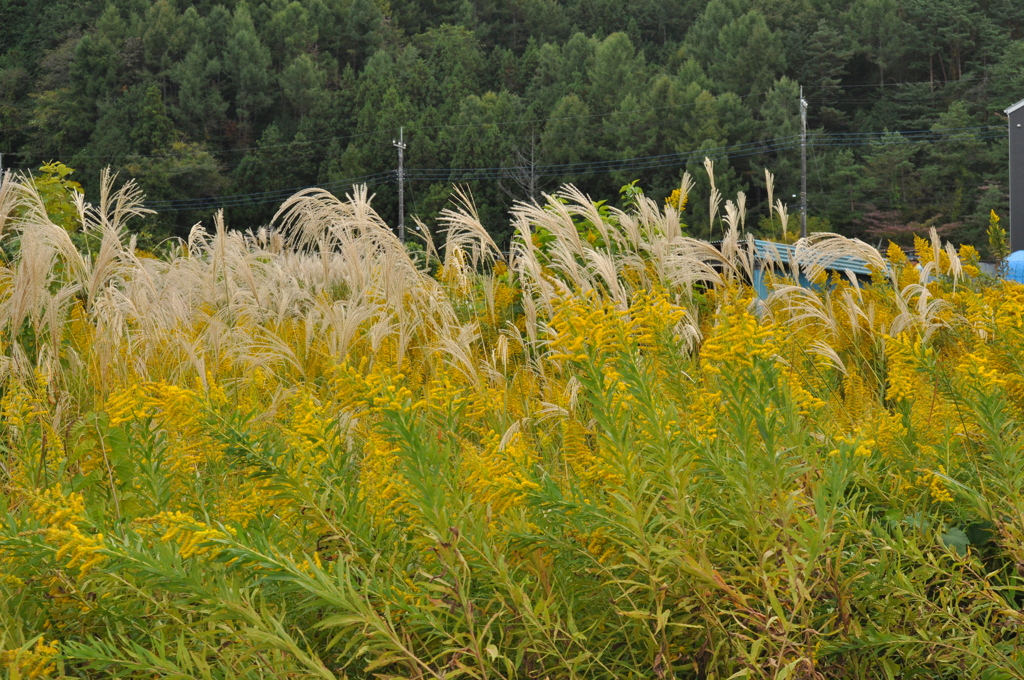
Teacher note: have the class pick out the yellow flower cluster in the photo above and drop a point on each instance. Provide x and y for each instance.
(969, 259)
(936, 486)
(80, 329)
(576, 452)
(600, 546)
(905, 274)
(677, 199)
(347, 385)
(64, 517)
(177, 410)
(980, 370)
(704, 411)
(381, 389)
(737, 339)
(504, 297)
(588, 323)
(193, 537)
(149, 399)
(310, 426)
(444, 393)
(22, 407)
(394, 397)
(591, 324)
(498, 476)
(381, 484)
(853, 446)
(654, 317)
(585, 458)
(926, 254)
(1007, 302)
(249, 499)
(901, 357)
(37, 662)
(805, 400)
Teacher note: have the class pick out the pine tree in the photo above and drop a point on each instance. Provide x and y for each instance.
(247, 63)
(826, 54)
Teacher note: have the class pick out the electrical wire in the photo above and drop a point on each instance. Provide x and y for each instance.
(450, 175)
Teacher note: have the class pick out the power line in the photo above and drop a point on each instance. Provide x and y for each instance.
(596, 167)
(599, 167)
(575, 168)
(256, 198)
(243, 149)
(967, 80)
(735, 151)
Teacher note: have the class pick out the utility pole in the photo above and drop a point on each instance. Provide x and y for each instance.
(803, 164)
(400, 144)
(1015, 117)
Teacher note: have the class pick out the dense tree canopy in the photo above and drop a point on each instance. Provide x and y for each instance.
(225, 103)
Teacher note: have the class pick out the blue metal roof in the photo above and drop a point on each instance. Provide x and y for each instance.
(783, 253)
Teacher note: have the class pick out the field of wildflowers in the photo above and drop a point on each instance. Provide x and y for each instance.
(305, 452)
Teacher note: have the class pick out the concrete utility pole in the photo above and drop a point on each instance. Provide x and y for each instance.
(803, 164)
(400, 143)
(1015, 114)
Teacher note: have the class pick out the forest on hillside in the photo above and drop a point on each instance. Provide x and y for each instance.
(238, 104)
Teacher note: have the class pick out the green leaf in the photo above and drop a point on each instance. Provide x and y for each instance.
(956, 539)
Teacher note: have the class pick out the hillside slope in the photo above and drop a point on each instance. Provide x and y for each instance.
(238, 103)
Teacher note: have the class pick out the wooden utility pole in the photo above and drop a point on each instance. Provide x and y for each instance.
(400, 144)
(1015, 115)
(803, 164)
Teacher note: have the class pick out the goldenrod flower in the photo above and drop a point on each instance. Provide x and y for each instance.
(64, 518)
(37, 662)
(191, 535)
(498, 476)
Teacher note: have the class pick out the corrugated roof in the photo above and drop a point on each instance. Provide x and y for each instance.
(783, 253)
(1013, 108)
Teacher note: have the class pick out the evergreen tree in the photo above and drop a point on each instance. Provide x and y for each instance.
(363, 35)
(264, 93)
(302, 83)
(200, 108)
(153, 129)
(247, 63)
(826, 55)
(616, 72)
(749, 56)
